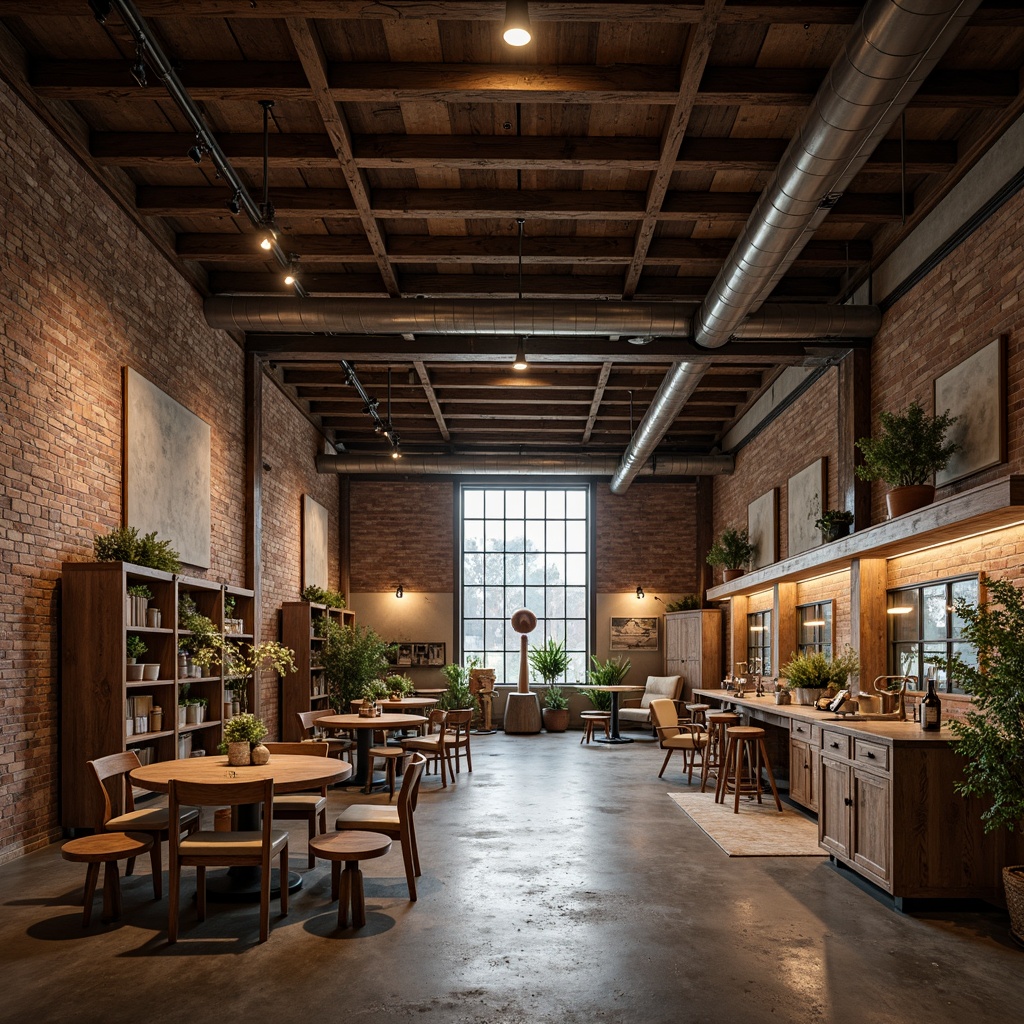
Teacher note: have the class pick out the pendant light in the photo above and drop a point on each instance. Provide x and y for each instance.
(268, 229)
(517, 31)
(520, 363)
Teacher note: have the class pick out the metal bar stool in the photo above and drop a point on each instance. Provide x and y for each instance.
(713, 759)
(595, 719)
(745, 744)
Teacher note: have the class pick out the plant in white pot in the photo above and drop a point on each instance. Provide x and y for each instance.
(991, 733)
(908, 450)
(135, 647)
(241, 734)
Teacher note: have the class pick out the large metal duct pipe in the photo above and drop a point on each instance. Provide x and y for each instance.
(539, 317)
(526, 465)
(890, 51)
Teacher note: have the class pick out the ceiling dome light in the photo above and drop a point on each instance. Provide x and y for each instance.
(516, 30)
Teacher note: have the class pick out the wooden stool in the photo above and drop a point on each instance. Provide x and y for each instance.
(105, 848)
(713, 760)
(347, 885)
(591, 719)
(698, 712)
(744, 743)
(391, 755)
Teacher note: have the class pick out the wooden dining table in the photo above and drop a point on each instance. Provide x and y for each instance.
(291, 773)
(365, 728)
(613, 733)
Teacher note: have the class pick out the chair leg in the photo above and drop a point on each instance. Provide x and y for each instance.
(444, 781)
(370, 760)
(265, 903)
(664, 764)
(129, 868)
(311, 860)
(174, 885)
(469, 757)
(201, 892)
(284, 883)
(410, 868)
(92, 874)
(155, 866)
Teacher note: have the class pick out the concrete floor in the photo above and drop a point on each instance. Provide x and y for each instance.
(560, 885)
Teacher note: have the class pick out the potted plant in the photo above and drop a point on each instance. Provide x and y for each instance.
(834, 523)
(139, 595)
(909, 449)
(809, 676)
(549, 660)
(244, 660)
(556, 709)
(195, 713)
(991, 732)
(604, 673)
(203, 644)
(125, 545)
(241, 734)
(318, 595)
(732, 552)
(458, 696)
(400, 686)
(135, 647)
(352, 656)
(686, 603)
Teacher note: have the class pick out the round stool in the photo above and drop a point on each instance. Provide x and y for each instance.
(347, 885)
(698, 712)
(593, 719)
(711, 763)
(391, 755)
(105, 848)
(744, 744)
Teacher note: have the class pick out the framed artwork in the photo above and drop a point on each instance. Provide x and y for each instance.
(975, 392)
(314, 543)
(763, 528)
(806, 496)
(418, 655)
(166, 470)
(633, 633)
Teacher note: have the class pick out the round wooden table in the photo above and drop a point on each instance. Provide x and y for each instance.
(365, 728)
(291, 773)
(614, 736)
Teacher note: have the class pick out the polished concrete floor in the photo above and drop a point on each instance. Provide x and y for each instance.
(560, 884)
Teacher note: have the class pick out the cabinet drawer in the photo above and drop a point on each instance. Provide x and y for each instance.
(835, 744)
(806, 732)
(874, 755)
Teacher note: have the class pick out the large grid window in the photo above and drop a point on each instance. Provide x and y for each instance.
(815, 625)
(759, 643)
(923, 625)
(525, 547)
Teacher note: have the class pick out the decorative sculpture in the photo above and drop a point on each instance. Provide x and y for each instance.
(481, 684)
(522, 708)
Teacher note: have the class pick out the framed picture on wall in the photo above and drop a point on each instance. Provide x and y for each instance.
(763, 528)
(806, 501)
(314, 543)
(633, 633)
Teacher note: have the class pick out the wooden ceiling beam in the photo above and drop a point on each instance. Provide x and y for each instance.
(174, 201)
(431, 395)
(595, 404)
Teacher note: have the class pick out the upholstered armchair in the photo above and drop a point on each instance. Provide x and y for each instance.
(637, 710)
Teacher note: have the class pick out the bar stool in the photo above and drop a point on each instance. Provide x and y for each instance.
(698, 712)
(347, 886)
(713, 759)
(745, 744)
(595, 719)
(105, 848)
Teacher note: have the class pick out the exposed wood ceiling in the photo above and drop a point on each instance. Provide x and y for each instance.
(407, 141)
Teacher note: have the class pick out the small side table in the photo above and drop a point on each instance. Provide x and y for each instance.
(105, 848)
(347, 885)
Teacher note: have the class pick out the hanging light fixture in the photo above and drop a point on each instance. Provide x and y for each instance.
(291, 275)
(268, 229)
(517, 31)
(520, 363)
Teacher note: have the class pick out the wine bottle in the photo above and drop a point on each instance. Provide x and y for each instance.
(931, 708)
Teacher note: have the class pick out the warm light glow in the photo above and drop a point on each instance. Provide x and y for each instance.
(290, 278)
(815, 622)
(265, 242)
(517, 31)
(396, 454)
(520, 362)
(639, 593)
(757, 629)
(400, 591)
(899, 609)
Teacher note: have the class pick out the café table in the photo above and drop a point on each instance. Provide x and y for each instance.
(613, 733)
(365, 728)
(291, 773)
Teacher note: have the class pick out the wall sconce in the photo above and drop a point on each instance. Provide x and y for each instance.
(400, 591)
(640, 593)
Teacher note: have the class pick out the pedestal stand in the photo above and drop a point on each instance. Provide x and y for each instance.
(522, 713)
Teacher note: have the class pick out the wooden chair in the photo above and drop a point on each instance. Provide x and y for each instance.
(395, 821)
(207, 849)
(310, 806)
(390, 756)
(111, 773)
(338, 746)
(431, 745)
(673, 735)
(457, 738)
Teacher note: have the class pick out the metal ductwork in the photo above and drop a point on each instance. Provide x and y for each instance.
(540, 464)
(890, 51)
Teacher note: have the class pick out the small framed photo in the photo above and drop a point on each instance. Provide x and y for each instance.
(634, 633)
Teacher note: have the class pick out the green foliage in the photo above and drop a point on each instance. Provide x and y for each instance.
(376, 689)
(400, 685)
(601, 700)
(328, 598)
(550, 660)
(229, 606)
(352, 657)
(140, 590)
(458, 694)
(992, 732)
(244, 660)
(186, 607)
(135, 646)
(604, 673)
(909, 448)
(732, 550)
(833, 517)
(685, 603)
(816, 672)
(125, 545)
(204, 646)
(244, 728)
(555, 699)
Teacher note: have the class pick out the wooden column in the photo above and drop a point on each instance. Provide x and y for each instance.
(704, 534)
(854, 403)
(254, 499)
(785, 638)
(736, 650)
(867, 615)
(344, 538)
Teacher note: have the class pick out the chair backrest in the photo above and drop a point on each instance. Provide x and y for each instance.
(664, 717)
(308, 719)
(110, 767)
(410, 790)
(221, 794)
(311, 748)
(458, 723)
(661, 686)
(436, 720)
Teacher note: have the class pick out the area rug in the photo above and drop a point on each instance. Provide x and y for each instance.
(759, 830)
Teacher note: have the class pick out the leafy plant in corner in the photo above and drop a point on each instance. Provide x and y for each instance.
(555, 699)
(550, 660)
(125, 545)
(732, 550)
(352, 656)
(909, 448)
(458, 694)
(135, 646)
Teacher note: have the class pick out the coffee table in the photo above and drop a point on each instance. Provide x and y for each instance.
(364, 728)
(614, 736)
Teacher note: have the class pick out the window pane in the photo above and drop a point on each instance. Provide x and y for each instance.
(514, 570)
(494, 504)
(473, 504)
(576, 601)
(535, 505)
(576, 635)
(575, 536)
(534, 599)
(556, 536)
(515, 505)
(514, 600)
(555, 569)
(906, 662)
(473, 633)
(966, 590)
(472, 602)
(535, 535)
(904, 626)
(494, 634)
(934, 608)
(473, 535)
(495, 534)
(495, 602)
(575, 505)
(494, 569)
(576, 570)
(535, 568)
(472, 569)
(555, 505)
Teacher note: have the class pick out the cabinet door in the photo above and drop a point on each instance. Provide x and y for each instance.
(834, 806)
(803, 774)
(871, 825)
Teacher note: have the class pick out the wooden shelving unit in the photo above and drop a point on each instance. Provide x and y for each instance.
(95, 625)
(305, 689)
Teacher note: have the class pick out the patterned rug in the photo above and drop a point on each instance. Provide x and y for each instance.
(759, 830)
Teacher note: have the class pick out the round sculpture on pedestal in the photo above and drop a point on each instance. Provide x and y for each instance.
(522, 708)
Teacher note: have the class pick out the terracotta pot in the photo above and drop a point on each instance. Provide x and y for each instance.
(555, 719)
(901, 500)
(731, 574)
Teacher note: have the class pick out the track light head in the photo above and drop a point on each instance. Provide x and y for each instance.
(396, 454)
(235, 203)
(517, 31)
(520, 363)
(100, 10)
(138, 69)
(268, 236)
(399, 591)
(292, 273)
(196, 152)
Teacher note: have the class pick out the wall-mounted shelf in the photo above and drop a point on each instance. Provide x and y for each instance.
(989, 507)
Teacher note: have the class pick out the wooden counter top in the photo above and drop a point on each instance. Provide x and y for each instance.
(894, 733)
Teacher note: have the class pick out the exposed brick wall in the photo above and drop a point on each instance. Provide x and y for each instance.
(402, 532)
(289, 448)
(806, 431)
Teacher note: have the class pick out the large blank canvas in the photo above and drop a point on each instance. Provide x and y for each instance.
(762, 528)
(314, 543)
(167, 470)
(806, 502)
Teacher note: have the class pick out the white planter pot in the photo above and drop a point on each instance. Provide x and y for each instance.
(133, 672)
(182, 715)
(192, 714)
(151, 670)
(806, 696)
(153, 618)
